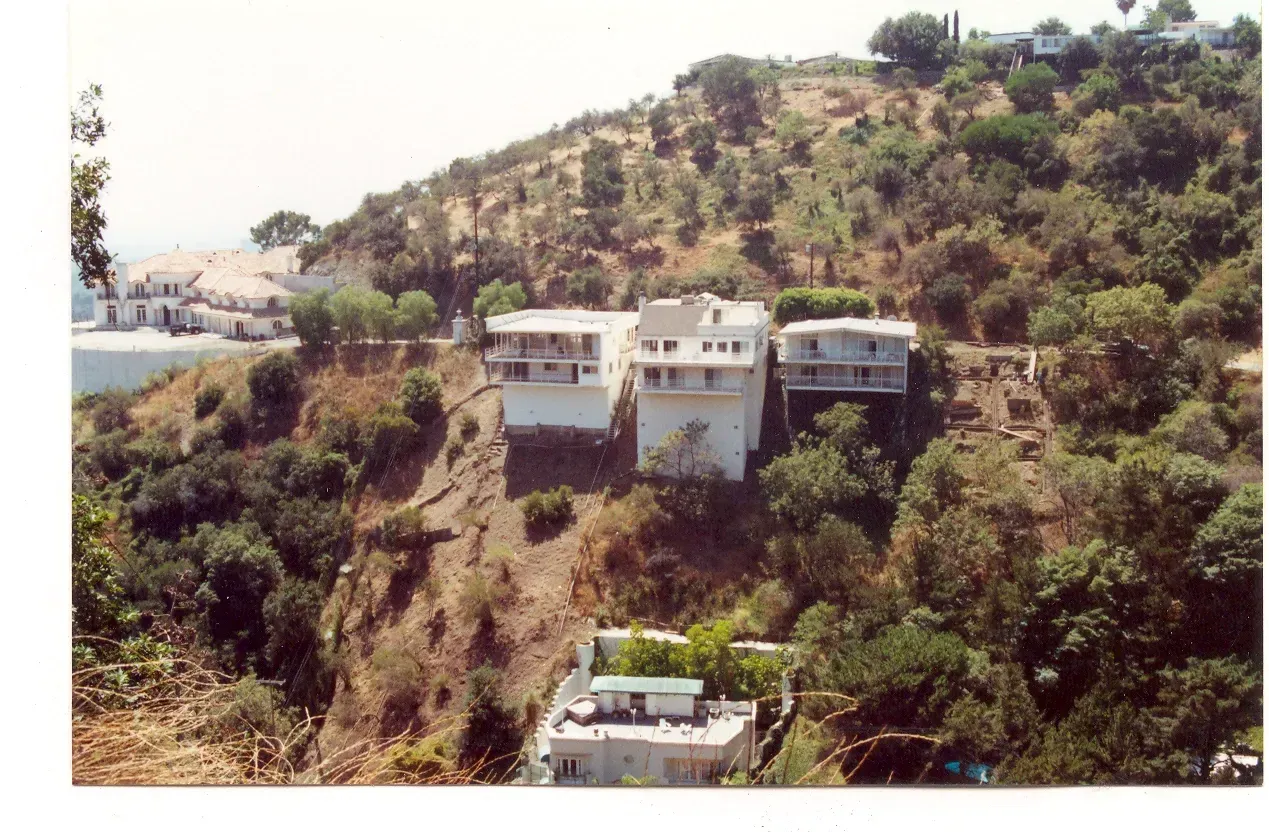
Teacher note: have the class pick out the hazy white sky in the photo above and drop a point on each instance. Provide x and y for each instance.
(222, 112)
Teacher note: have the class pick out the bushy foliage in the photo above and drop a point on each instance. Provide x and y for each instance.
(497, 299)
(274, 382)
(800, 304)
(543, 509)
(421, 395)
(207, 399)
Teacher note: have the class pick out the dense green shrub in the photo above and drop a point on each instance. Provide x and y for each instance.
(404, 529)
(110, 412)
(421, 395)
(801, 304)
(1031, 88)
(550, 508)
(274, 382)
(207, 399)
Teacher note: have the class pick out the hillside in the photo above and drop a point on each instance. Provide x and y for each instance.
(1005, 568)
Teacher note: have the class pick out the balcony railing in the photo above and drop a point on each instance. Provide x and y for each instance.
(536, 378)
(853, 356)
(703, 357)
(844, 382)
(691, 385)
(514, 354)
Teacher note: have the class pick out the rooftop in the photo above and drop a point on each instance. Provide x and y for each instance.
(873, 326)
(699, 733)
(237, 283)
(685, 315)
(558, 320)
(281, 260)
(646, 684)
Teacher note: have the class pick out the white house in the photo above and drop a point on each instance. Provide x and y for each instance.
(241, 294)
(649, 727)
(561, 370)
(847, 354)
(703, 358)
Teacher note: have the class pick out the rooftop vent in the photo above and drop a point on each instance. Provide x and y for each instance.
(688, 300)
(891, 318)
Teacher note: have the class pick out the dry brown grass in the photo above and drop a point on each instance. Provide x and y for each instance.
(184, 728)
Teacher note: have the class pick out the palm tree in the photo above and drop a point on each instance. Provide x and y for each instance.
(1125, 6)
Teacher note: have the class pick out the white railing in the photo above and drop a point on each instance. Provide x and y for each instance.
(512, 353)
(705, 357)
(857, 356)
(844, 382)
(692, 385)
(499, 378)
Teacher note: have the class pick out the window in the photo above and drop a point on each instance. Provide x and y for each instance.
(670, 346)
(588, 371)
(548, 367)
(610, 366)
(273, 302)
(812, 344)
(648, 345)
(708, 346)
(718, 316)
(111, 317)
(570, 767)
(167, 288)
(870, 346)
(713, 379)
(141, 314)
(652, 376)
(553, 338)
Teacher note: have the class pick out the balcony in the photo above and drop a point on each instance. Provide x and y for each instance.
(683, 385)
(684, 357)
(108, 294)
(496, 377)
(551, 354)
(841, 356)
(824, 382)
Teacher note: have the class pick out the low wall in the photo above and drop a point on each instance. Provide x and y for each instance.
(92, 371)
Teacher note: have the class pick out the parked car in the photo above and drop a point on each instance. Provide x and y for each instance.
(179, 329)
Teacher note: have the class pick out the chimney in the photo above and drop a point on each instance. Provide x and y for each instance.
(643, 301)
(788, 59)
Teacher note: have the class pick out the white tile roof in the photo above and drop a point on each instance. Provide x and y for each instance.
(238, 284)
(874, 326)
(281, 260)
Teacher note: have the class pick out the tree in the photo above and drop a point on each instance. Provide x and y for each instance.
(88, 179)
(603, 184)
(1099, 92)
(274, 382)
(683, 453)
(416, 314)
(241, 570)
(793, 135)
(731, 94)
(379, 316)
(420, 395)
(497, 299)
(661, 125)
(1076, 56)
(810, 483)
(1124, 7)
(292, 613)
(1178, 11)
(285, 228)
(702, 136)
(348, 309)
(912, 40)
(1031, 88)
(1051, 26)
(1141, 314)
(98, 603)
(1247, 35)
(588, 287)
(312, 317)
(1205, 705)
(803, 304)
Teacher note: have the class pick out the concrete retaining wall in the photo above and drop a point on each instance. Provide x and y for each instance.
(92, 371)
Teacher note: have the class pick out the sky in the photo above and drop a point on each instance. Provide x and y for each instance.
(222, 113)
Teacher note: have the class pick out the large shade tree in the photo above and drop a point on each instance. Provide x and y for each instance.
(285, 228)
(912, 40)
(88, 179)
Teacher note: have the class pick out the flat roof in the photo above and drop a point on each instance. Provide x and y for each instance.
(704, 736)
(646, 684)
(877, 326)
(556, 320)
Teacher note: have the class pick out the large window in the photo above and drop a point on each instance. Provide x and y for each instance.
(670, 347)
(690, 771)
(648, 345)
(571, 767)
(141, 314)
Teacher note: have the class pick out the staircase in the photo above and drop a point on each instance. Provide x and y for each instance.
(622, 410)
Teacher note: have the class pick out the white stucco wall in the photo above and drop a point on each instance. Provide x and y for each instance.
(670, 704)
(526, 405)
(660, 413)
(612, 758)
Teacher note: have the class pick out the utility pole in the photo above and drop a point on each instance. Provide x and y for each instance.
(810, 249)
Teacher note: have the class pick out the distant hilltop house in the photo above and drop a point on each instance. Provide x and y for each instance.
(561, 371)
(1204, 31)
(232, 292)
(726, 56)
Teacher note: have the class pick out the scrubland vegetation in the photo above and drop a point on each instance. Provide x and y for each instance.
(1099, 622)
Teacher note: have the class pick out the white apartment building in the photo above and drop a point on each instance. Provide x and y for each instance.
(562, 371)
(846, 354)
(703, 358)
(232, 292)
(649, 727)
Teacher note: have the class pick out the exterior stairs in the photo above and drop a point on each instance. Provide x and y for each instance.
(624, 402)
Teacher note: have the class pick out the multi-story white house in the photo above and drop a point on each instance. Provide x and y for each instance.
(649, 728)
(562, 371)
(241, 294)
(701, 358)
(846, 354)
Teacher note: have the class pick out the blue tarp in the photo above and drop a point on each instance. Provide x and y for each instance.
(974, 771)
